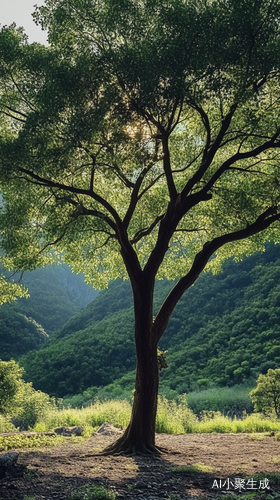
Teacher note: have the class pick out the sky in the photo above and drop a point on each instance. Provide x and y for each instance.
(19, 11)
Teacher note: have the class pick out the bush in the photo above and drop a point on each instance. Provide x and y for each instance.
(6, 424)
(21, 406)
(10, 381)
(32, 406)
(266, 396)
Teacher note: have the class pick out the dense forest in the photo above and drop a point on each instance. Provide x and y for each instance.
(55, 295)
(224, 331)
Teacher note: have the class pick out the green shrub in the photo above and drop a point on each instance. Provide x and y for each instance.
(32, 406)
(10, 381)
(266, 396)
(19, 402)
(6, 425)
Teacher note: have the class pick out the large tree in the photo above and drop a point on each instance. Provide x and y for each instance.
(143, 142)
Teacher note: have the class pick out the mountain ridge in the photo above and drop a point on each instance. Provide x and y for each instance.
(210, 337)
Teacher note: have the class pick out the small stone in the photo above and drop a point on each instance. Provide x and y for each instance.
(108, 430)
(6, 461)
(69, 431)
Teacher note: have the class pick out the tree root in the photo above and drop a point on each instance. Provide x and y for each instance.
(123, 447)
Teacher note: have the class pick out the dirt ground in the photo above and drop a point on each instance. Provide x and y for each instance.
(53, 473)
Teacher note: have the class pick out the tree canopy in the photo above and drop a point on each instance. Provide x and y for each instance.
(143, 142)
(135, 104)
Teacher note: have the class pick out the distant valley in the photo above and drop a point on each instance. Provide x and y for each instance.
(55, 295)
(225, 331)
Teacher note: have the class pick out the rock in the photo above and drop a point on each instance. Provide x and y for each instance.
(9, 459)
(6, 461)
(108, 430)
(69, 431)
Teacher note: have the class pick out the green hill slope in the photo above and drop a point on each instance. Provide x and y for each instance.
(224, 331)
(19, 334)
(239, 332)
(55, 295)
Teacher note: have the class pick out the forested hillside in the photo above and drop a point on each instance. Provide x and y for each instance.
(55, 295)
(225, 330)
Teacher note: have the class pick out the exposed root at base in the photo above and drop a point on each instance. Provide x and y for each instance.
(121, 449)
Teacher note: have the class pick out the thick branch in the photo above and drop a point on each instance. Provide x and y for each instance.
(76, 190)
(263, 222)
(134, 198)
(14, 117)
(119, 173)
(167, 169)
(205, 121)
(15, 110)
(242, 156)
(150, 186)
(210, 154)
(168, 225)
(129, 255)
(147, 230)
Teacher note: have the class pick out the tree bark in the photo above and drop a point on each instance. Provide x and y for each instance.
(139, 436)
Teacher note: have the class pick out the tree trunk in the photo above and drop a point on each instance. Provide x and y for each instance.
(139, 436)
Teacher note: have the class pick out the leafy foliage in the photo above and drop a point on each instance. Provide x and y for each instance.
(266, 396)
(18, 399)
(98, 123)
(9, 291)
(10, 382)
(29, 406)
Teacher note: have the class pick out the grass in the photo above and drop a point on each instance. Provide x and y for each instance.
(258, 437)
(190, 469)
(224, 399)
(173, 417)
(273, 478)
(114, 412)
(216, 422)
(20, 441)
(92, 493)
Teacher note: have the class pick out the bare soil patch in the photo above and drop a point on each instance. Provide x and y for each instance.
(53, 473)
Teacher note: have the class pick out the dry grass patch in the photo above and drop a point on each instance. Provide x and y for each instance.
(258, 437)
(193, 468)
